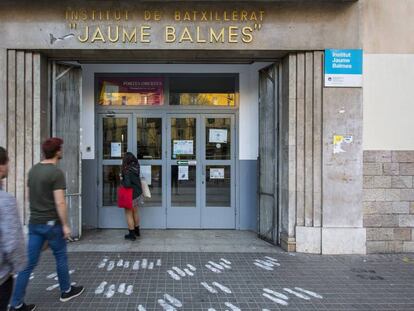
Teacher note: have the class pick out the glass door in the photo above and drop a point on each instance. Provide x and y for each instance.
(218, 172)
(183, 188)
(150, 151)
(115, 141)
(201, 171)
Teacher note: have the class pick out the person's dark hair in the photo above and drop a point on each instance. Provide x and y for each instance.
(130, 162)
(4, 158)
(52, 146)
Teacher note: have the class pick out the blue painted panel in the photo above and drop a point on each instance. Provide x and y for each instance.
(248, 195)
(343, 62)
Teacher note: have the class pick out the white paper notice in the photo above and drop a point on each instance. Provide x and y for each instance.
(145, 171)
(217, 136)
(216, 173)
(183, 172)
(183, 147)
(116, 150)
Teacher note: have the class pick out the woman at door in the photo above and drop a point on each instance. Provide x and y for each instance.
(131, 179)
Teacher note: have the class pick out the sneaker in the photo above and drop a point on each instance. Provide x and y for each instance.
(24, 307)
(75, 291)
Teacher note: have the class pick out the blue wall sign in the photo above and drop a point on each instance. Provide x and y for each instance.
(343, 68)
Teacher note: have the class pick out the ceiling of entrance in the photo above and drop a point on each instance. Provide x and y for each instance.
(164, 56)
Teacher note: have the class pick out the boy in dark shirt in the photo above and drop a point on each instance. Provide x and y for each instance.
(48, 222)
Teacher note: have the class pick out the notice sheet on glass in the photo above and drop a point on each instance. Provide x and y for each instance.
(183, 147)
(217, 136)
(183, 172)
(216, 173)
(116, 150)
(145, 171)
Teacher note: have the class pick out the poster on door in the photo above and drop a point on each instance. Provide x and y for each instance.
(116, 150)
(217, 136)
(216, 173)
(183, 147)
(145, 172)
(183, 172)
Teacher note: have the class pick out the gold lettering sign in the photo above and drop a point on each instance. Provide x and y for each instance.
(178, 26)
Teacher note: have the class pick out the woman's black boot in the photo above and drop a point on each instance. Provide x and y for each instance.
(131, 235)
(137, 232)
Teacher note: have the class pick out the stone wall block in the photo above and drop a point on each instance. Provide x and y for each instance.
(377, 156)
(407, 169)
(382, 182)
(402, 234)
(374, 195)
(384, 247)
(401, 182)
(407, 195)
(373, 169)
(378, 221)
(411, 207)
(377, 207)
(405, 220)
(391, 169)
(400, 207)
(380, 234)
(408, 247)
(403, 156)
(368, 182)
(392, 195)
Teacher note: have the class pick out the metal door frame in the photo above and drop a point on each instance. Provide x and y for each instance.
(102, 223)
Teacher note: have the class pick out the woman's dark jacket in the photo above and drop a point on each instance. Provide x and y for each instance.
(132, 180)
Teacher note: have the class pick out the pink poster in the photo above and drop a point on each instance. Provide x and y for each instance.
(131, 91)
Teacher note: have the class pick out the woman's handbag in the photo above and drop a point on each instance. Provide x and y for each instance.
(125, 197)
(145, 189)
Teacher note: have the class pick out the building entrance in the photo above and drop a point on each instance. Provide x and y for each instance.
(187, 159)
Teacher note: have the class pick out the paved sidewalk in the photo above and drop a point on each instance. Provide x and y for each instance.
(301, 282)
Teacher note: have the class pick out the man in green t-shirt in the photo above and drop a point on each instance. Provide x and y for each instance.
(48, 222)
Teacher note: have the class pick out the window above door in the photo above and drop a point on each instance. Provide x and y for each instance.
(210, 91)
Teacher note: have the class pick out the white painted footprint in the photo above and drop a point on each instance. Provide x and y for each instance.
(151, 266)
(216, 265)
(188, 272)
(136, 265)
(222, 287)
(209, 288)
(271, 259)
(158, 264)
(110, 291)
(299, 295)
(103, 263)
(276, 300)
(101, 288)
(165, 305)
(141, 308)
(121, 288)
(213, 269)
(174, 301)
(174, 275)
(232, 307)
(111, 266)
(310, 293)
(126, 264)
(120, 263)
(51, 276)
(225, 261)
(263, 266)
(265, 263)
(52, 287)
(179, 271)
(129, 290)
(225, 265)
(144, 264)
(274, 293)
(191, 267)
